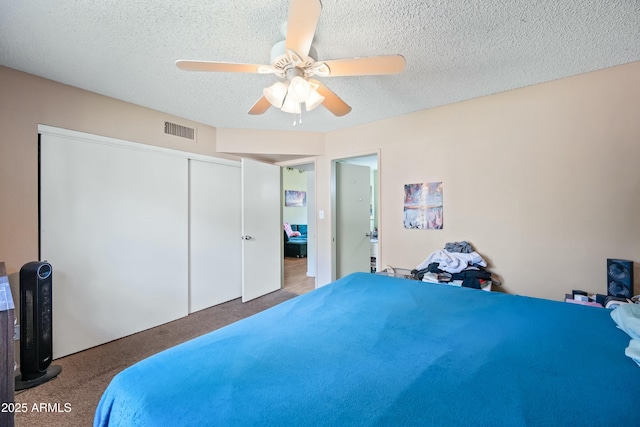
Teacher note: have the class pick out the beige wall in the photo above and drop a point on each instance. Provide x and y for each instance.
(543, 181)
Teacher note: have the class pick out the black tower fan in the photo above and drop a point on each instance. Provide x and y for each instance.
(36, 343)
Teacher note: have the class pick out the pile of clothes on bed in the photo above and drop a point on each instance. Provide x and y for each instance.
(457, 264)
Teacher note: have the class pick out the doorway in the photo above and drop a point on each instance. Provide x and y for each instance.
(298, 217)
(355, 206)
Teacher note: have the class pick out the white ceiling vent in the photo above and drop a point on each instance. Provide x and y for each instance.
(179, 130)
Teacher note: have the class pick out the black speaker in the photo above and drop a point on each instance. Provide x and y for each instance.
(36, 325)
(620, 278)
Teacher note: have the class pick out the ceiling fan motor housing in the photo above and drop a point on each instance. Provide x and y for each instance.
(281, 60)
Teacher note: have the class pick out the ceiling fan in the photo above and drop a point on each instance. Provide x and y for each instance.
(294, 60)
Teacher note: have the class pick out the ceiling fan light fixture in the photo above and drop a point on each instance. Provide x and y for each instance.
(313, 100)
(276, 93)
(291, 106)
(299, 89)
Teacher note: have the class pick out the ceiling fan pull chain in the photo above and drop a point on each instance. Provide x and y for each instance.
(297, 115)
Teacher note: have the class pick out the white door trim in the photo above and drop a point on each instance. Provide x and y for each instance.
(308, 161)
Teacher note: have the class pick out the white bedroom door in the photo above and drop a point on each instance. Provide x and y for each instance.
(215, 264)
(261, 229)
(353, 213)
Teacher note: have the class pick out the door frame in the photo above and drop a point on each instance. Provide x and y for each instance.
(293, 164)
(334, 160)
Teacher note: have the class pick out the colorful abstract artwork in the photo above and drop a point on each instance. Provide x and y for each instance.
(423, 206)
(294, 198)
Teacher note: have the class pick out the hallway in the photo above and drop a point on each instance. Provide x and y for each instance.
(295, 276)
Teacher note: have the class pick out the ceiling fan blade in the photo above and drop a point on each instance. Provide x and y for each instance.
(228, 67)
(332, 102)
(260, 107)
(301, 25)
(372, 65)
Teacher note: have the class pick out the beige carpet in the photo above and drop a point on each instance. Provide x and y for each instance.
(72, 397)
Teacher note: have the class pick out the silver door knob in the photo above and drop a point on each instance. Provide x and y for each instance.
(247, 237)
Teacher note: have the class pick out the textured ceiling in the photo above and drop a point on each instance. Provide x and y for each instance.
(455, 50)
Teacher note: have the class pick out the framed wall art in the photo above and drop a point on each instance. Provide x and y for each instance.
(294, 198)
(423, 206)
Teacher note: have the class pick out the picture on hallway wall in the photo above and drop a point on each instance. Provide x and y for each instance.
(423, 206)
(293, 198)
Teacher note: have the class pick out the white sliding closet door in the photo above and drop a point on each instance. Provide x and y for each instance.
(114, 226)
(215, 230)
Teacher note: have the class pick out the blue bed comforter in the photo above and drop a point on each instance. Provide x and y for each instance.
(377, 350)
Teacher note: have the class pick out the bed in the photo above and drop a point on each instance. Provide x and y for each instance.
(376, 350)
